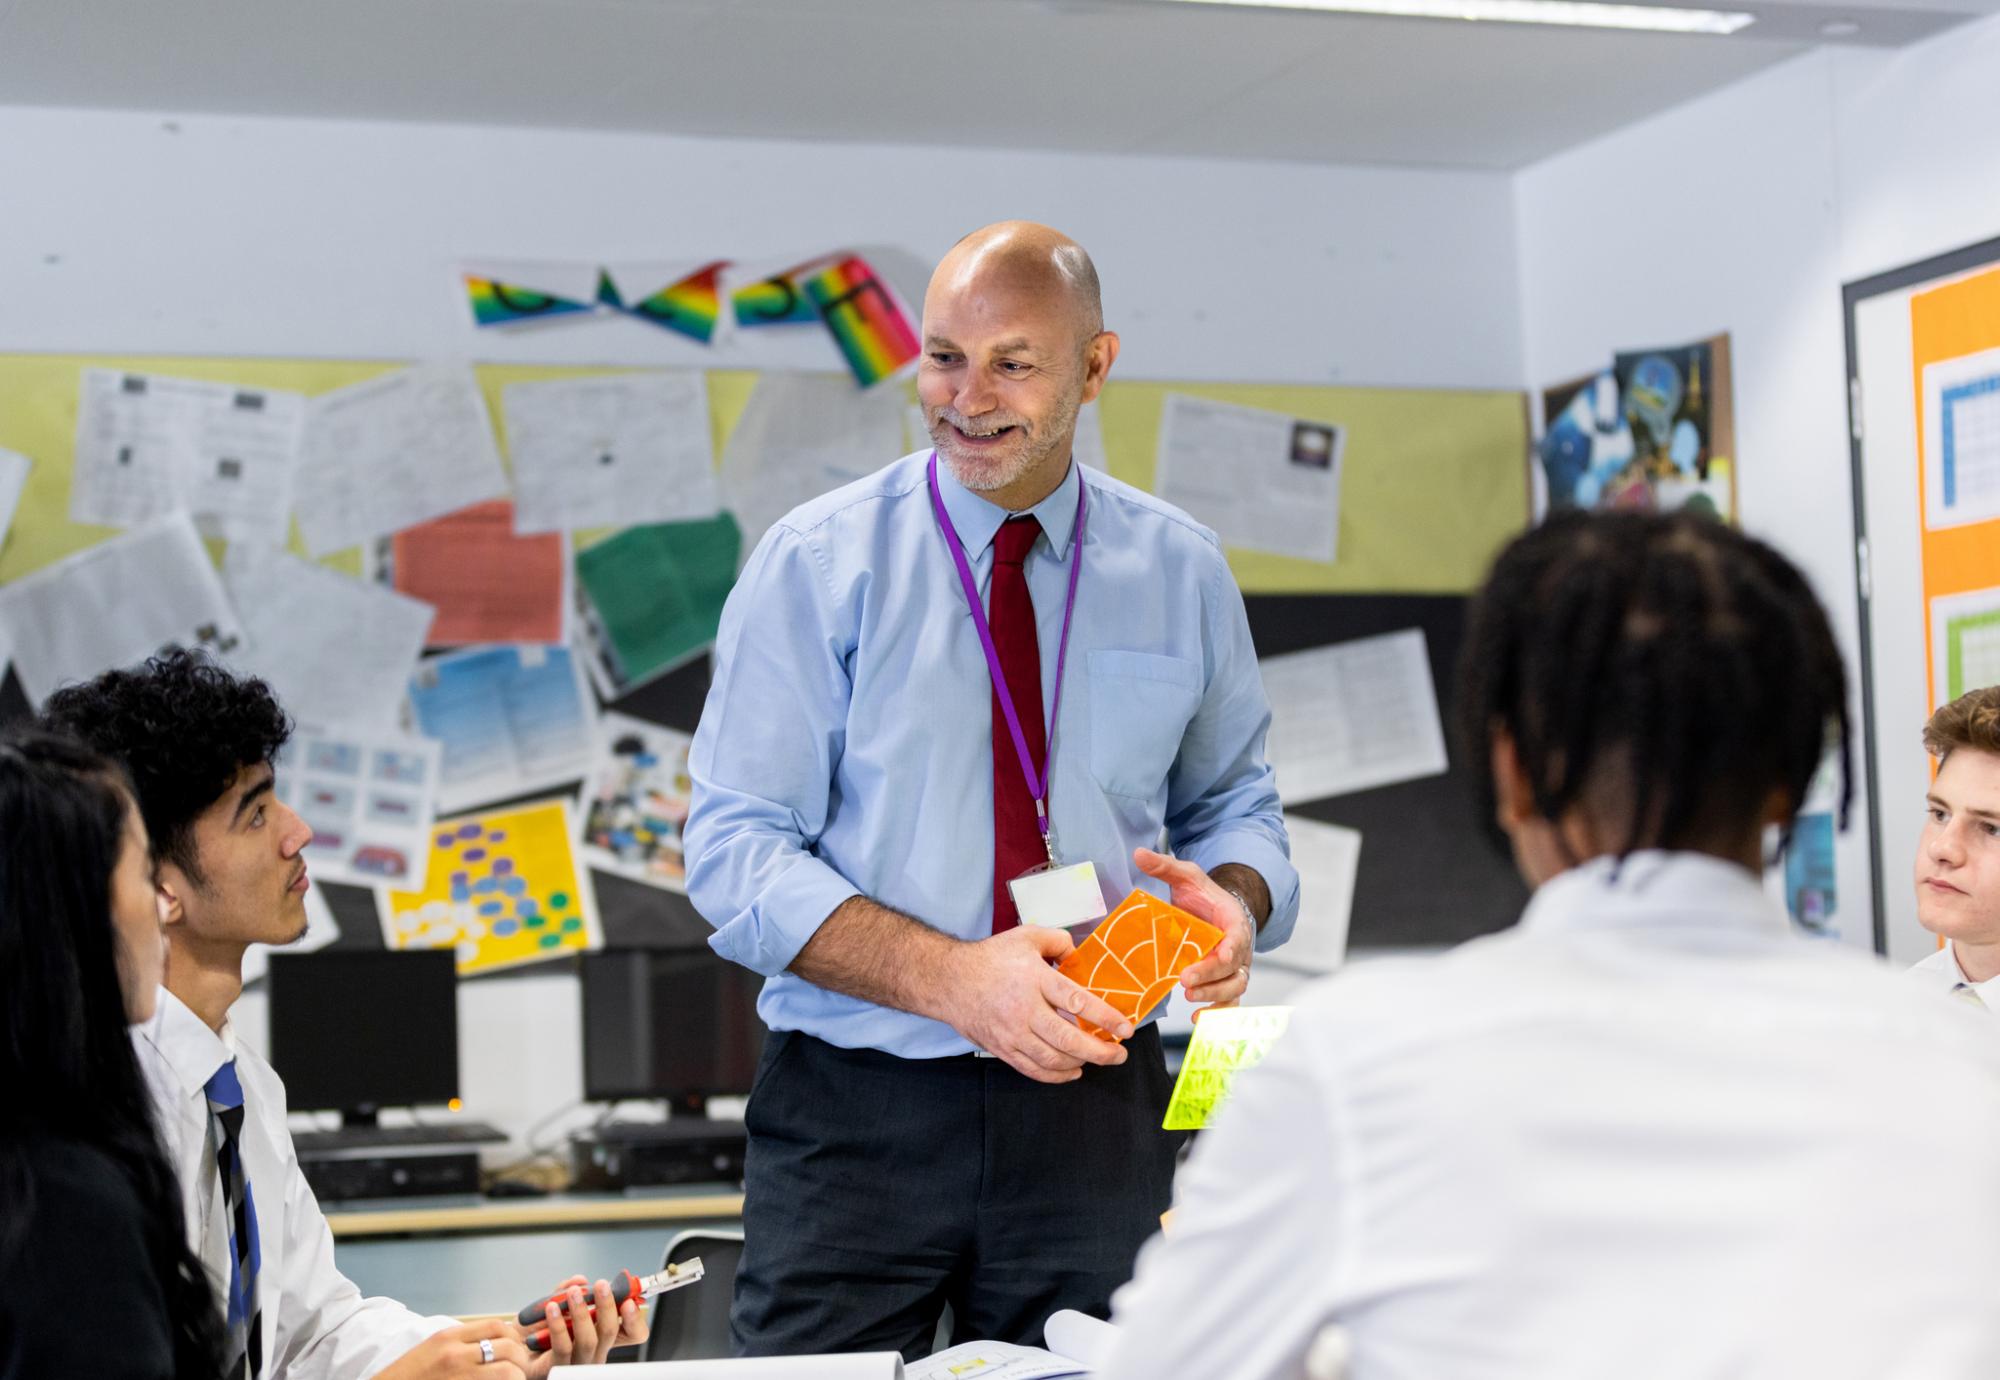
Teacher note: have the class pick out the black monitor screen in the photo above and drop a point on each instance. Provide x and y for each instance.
(677, 1025)
(353, 1031)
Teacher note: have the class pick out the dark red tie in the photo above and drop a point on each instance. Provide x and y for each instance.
(1017, 842)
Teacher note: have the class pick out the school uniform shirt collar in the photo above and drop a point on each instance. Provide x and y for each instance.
(185, 1044)
(1988, 991)
(1654, 887)
(976, 520)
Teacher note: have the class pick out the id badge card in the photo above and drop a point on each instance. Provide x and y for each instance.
(1059, 897)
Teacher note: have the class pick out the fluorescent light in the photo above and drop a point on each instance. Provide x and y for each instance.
(1574, 13)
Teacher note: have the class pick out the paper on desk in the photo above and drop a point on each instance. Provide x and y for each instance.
(611, 450)
(487, 583)
(1079, 1336)
(1264, 481)
(863, 1365)
(13, 478)
(512, 719)
(392, 452)
(1352, 716)
(369, 794)
(635, 802)
(147, 444)
(1327, 857)
(1226, 1041)
(117, 603)
(650, 598)
(333, 648)
(992, 1361)
(800, 436)
(321, 930)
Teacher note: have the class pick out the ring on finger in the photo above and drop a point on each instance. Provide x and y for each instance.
(485, 1352)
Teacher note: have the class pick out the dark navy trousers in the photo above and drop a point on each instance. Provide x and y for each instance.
(880, 1189)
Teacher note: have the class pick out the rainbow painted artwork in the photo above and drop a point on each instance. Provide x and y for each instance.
(874, 334)
(495, 303)
(690, 306)
(779, 300)
(504, 888)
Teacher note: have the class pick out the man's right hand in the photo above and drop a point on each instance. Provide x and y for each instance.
(1005, 998)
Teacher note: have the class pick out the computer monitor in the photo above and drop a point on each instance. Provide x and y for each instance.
(356, 1031)
(678, 1025)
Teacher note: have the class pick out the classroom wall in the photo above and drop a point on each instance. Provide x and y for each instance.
(135, 233)
(223, 236)
(1745, 212)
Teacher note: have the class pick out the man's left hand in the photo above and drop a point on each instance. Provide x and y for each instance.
(1220, 978)
(586, 1340)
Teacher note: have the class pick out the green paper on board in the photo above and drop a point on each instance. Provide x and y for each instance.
(652, 597)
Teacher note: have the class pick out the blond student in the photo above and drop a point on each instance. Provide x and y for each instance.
(1958, 857)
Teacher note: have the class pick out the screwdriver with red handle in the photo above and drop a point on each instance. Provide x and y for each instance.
(626, 1286)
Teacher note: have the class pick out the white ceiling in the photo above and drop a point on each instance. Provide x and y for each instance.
(1122, 76)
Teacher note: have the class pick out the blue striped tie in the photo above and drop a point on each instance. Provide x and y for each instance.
(244, 1321)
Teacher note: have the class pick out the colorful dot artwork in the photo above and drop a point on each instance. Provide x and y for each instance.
(505, 889)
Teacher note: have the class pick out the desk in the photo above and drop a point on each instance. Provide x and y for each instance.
(462, 1256)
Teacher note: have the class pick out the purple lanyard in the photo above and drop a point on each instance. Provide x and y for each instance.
(1038, 782)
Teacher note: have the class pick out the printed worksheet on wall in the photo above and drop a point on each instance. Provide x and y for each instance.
(143, 589)
(147, 444)
(292, 607)
(800, 436)
(392, 452)
(610, 450)
(1264, 481)
(1353, 716)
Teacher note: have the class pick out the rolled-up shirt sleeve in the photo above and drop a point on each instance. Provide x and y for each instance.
(1222, 796)
(763, 759)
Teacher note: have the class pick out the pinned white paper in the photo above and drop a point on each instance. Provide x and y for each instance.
(147, 444)
(800, 436)
(395, 451)
(333, 648)
(1352, 716)
(1264, 481)
(115, 604)
(13, 478)
(610, 450)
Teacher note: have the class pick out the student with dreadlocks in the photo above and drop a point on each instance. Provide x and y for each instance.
(1651, 1131)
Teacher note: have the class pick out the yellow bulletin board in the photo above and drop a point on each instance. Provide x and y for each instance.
(38, 405)
(1433, 481)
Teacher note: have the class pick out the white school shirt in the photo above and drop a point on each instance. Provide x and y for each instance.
(317, 1326)
(1649, 1133)
(1940, 972)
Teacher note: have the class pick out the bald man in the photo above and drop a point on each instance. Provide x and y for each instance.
(875, 773)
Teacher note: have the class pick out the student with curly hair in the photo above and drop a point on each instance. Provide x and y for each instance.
(92, 1214)
(1652, 1131)
(1958, 855)
(199, 744)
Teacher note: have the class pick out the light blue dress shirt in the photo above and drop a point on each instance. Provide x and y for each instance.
(846, 744)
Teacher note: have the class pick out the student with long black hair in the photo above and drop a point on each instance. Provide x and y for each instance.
(1651, 1131)
(95, 1275)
